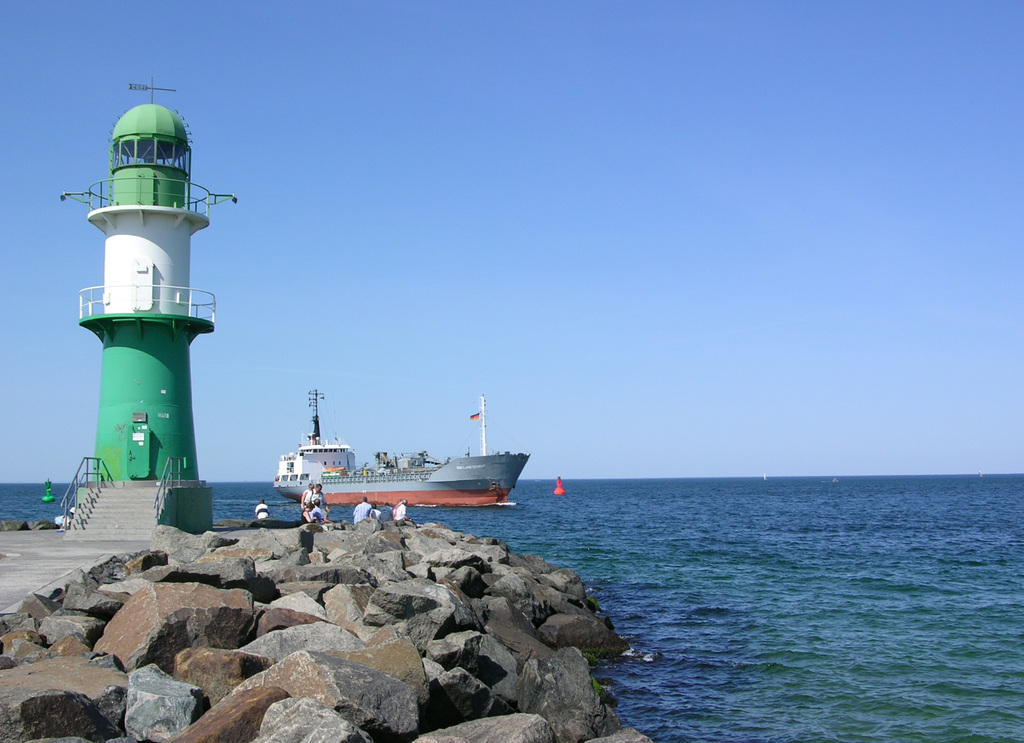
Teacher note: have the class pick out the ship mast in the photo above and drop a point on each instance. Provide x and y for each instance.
(314, 399)
(483, 426)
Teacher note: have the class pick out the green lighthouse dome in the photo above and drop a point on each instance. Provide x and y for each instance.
(150, 159)
(151, 120)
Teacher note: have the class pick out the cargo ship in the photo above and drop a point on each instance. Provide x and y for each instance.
(418, 478)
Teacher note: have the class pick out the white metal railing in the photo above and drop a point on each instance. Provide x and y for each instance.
(148, 298)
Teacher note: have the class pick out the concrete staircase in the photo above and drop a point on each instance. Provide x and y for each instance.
(115, 510)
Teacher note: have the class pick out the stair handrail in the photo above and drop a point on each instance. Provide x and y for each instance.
(95, 471)
(171, 475)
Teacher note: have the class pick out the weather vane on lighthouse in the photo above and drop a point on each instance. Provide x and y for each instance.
(150, 88)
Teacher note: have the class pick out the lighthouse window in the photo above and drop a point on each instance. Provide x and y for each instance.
(125, 154)
(145, 152)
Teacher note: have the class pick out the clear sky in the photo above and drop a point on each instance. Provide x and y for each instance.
(664, 238)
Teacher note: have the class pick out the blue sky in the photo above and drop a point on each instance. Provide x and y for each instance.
(664, 239)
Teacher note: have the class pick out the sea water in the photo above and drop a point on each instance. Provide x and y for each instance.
(788, 609)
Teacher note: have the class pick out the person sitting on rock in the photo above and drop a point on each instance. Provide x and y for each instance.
(307, 503)
(361, 511)
(262, 510)
(318, 515)
(398, 514)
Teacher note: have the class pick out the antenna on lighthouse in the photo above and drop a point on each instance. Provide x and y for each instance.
(150, 88)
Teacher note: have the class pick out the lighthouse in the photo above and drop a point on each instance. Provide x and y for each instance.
(146, 314)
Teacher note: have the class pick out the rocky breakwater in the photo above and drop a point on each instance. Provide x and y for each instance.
(357, 634)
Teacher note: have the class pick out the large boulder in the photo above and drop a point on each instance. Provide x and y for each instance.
(424, 610)
(307, 720)
(160, 706)
(300, 602)
(162, 619)
(398, 658)
(316, 636)
(344, 606)
(87, 630)
(470, 697)
(183, 547)
(482, 656)
(95, 603)
(102, 683)
(234, 720)
(584, 631)
(524, 593)
(626, 735)
(510, 626)
(276, 618)
(519, 728)
(30, 714)
(330, 573)
(561, 691)
(217, 672)
(380, 704)
(219, 572)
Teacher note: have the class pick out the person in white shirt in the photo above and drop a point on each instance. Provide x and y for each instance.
(262, 510)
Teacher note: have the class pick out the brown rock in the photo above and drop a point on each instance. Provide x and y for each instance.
(217, 672)
(28, 714)
(25, 635)
(276, 618)
(398, 658)
(24, 651)
(145, 562)
(69, 646)
(234, 720)
(162, 619)
(105, 686)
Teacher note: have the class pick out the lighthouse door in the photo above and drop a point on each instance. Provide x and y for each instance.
(138, 452)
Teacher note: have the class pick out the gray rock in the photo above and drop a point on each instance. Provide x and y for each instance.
(95, 603)
(160, 706)
(562, 692)
(335, 574)
(626, 735)
(307, 721)
(525, 595)
(471, 698)
(482, 656)
(565, 581)
(301, 602)
(468, 580)
(518, 728)
(183, 547)
(319, 636)
(87, 630)
(584, 631)
(423, 610)
(376, 702)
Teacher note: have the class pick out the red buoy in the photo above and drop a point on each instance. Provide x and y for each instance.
(559, 490)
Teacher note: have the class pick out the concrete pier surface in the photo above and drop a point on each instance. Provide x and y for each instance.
(37, 561)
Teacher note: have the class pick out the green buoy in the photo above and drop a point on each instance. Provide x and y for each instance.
(48, 498)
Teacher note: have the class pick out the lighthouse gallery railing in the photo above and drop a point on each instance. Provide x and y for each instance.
(168, 300)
